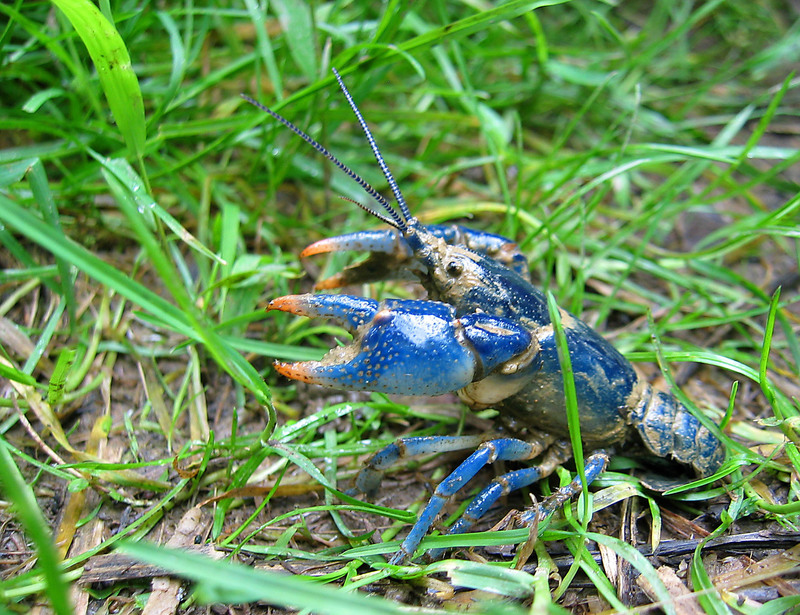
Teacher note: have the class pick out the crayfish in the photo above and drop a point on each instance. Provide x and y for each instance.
(484, 332)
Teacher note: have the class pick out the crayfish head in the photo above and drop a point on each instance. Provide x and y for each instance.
(446, 271)
(457, 274)
(467, 280)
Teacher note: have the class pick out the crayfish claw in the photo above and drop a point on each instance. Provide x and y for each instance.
(322, 373)
(296, 371)
(389, 258)
(400, 346)
(361, 241)
(347, 311)
(377, 267)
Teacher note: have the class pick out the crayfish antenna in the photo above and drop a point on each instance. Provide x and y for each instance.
(398, 196)
(393, 219)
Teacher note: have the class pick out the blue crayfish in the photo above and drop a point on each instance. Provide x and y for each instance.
(484, 332)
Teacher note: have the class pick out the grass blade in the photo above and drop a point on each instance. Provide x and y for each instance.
(27, 511)
(113, 65)
(232, 583)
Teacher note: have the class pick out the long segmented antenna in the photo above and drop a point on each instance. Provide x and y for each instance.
(394, 218)
(398, 196)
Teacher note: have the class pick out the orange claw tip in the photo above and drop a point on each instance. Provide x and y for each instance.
(294, 371)
(287, 303)
(335, 281)
(319, 247)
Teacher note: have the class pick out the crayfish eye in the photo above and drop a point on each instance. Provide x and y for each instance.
(453, 269)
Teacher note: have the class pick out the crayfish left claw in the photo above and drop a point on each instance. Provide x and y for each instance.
(391, 258)
(361, 241)
(404, 346)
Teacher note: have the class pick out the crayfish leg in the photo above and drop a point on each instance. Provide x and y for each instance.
(594, 466)
(369, 478)
(502, 449)
(557, 454)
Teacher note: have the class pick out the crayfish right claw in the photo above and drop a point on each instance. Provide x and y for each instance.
(404, 346)
(347, 311)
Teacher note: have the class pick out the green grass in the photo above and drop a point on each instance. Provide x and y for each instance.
(642, 156)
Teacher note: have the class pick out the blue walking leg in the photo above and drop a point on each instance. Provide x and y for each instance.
(594, 466)
(500, 486)
(557, 454)
(369, 479)
(503, 485)
(505, 449)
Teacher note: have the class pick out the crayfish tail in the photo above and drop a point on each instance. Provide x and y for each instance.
(667, 428)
